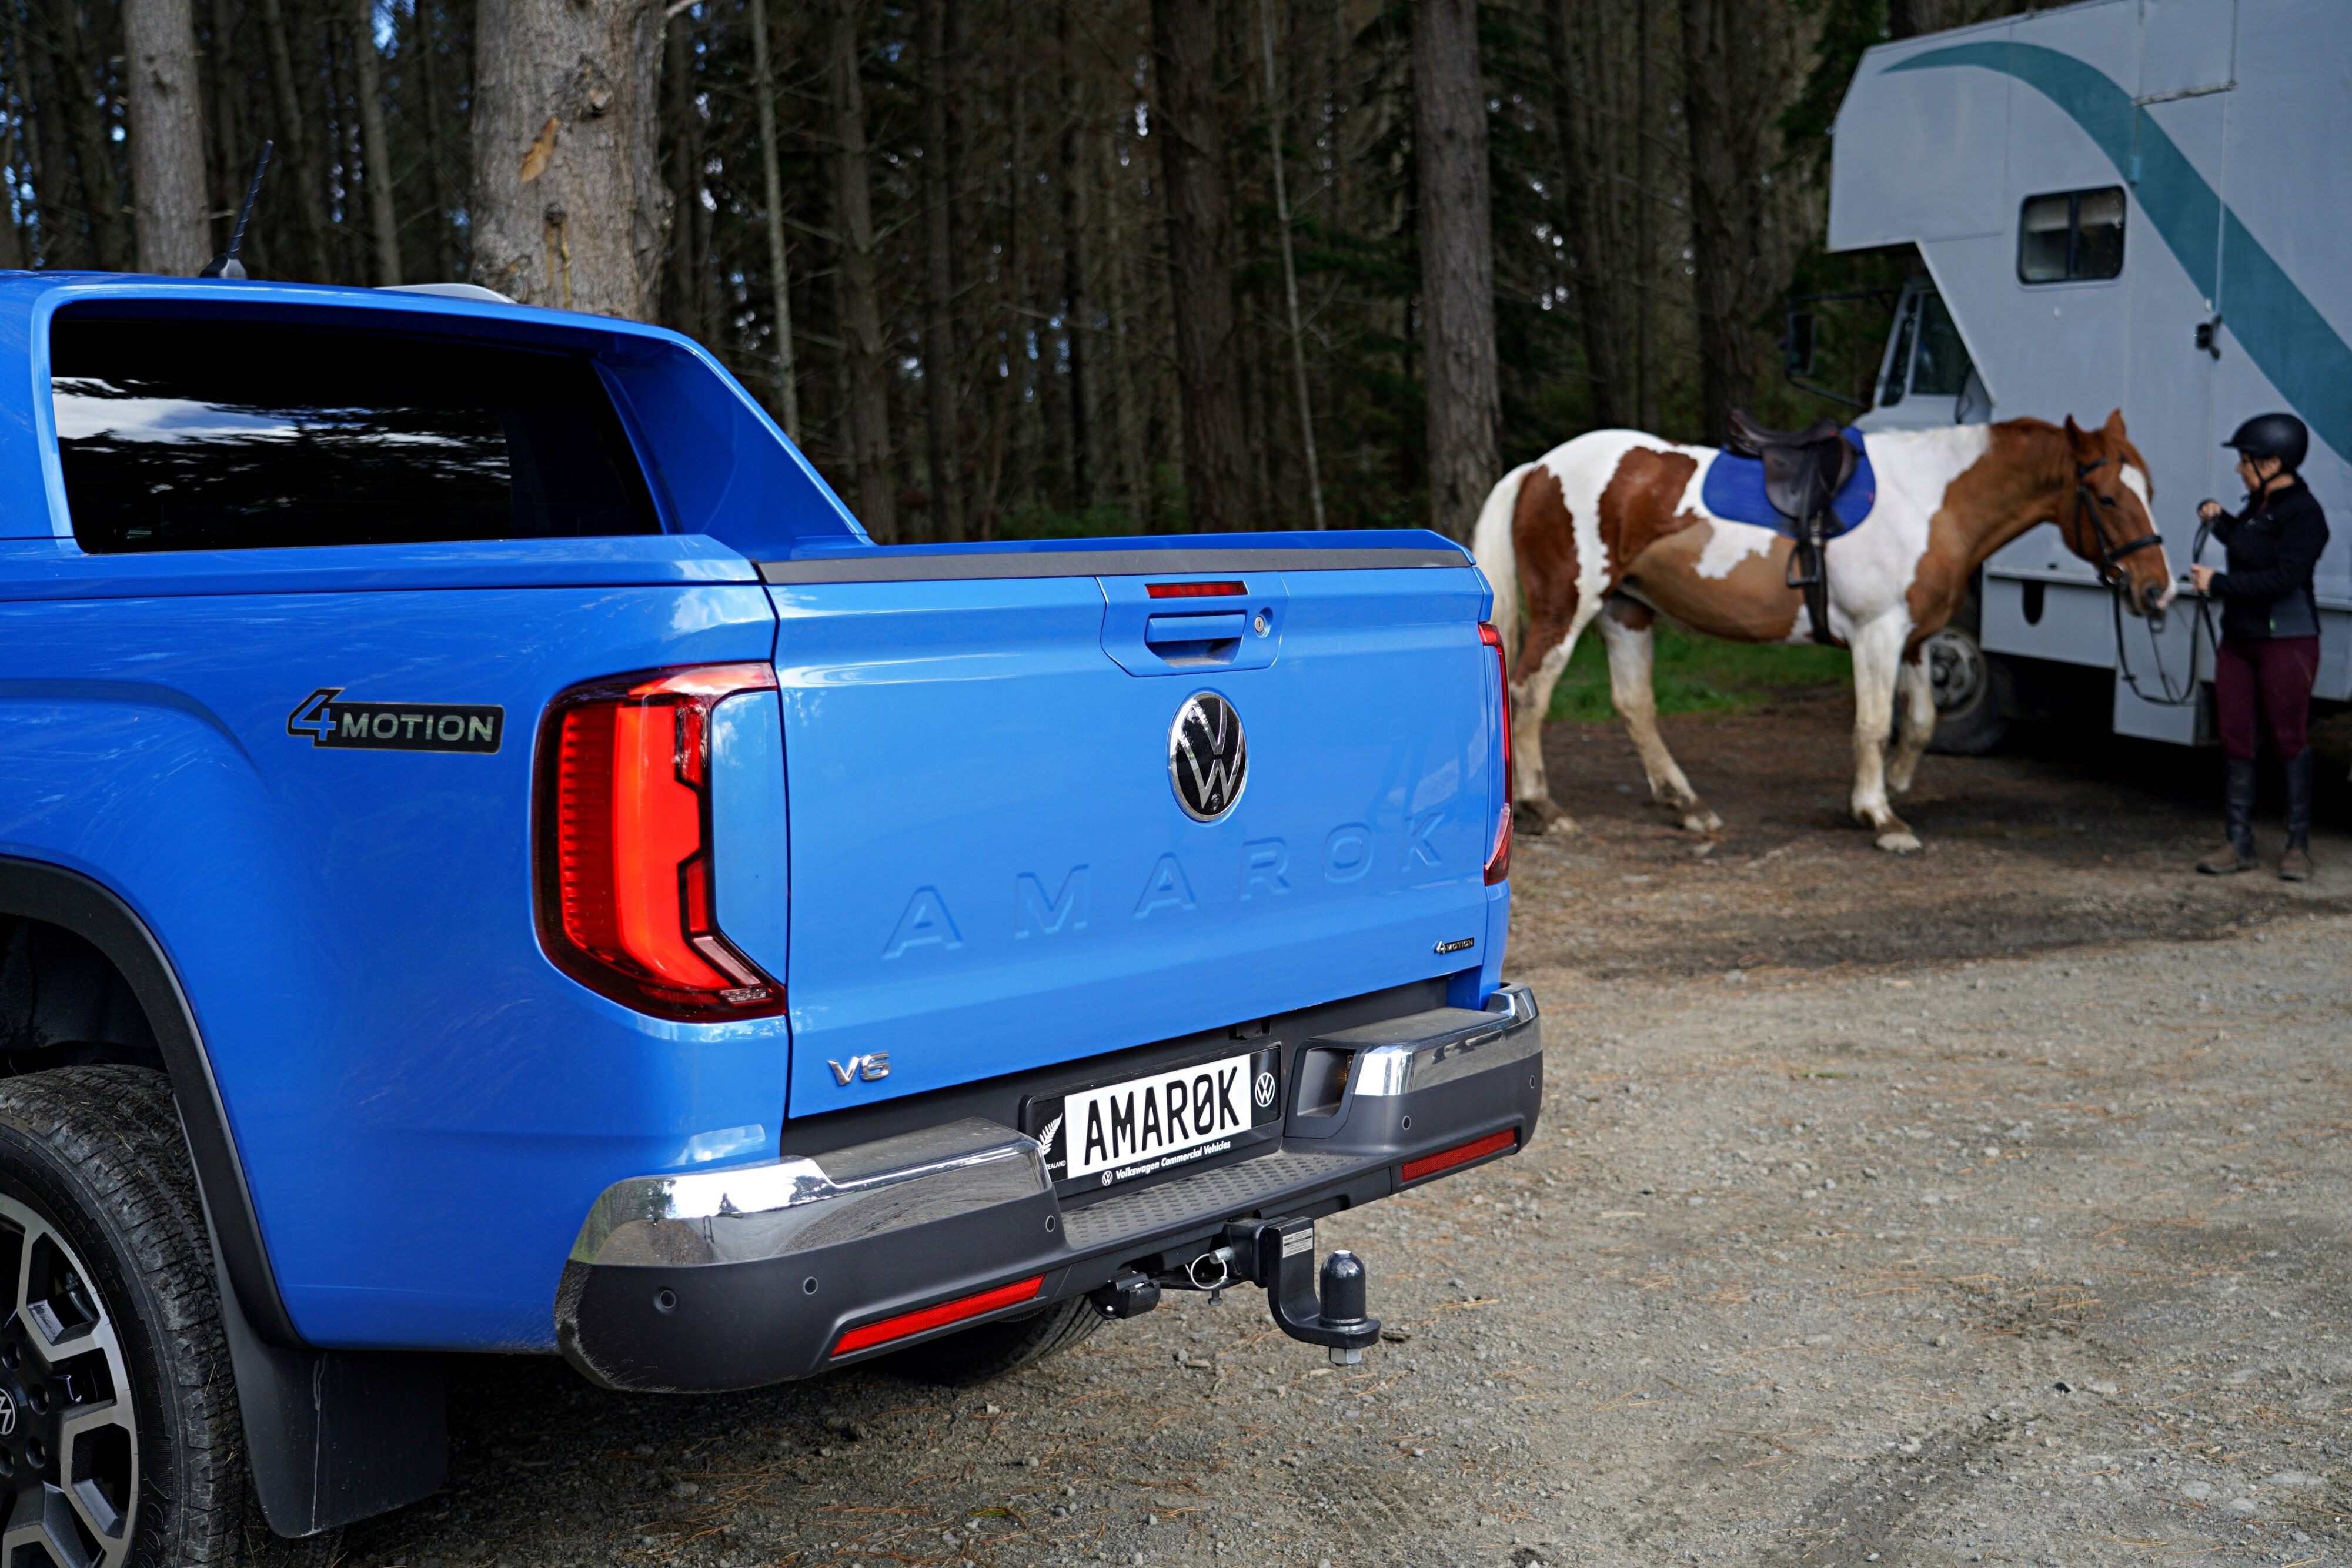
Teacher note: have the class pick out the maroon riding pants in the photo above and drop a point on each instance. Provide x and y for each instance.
(2265, 682)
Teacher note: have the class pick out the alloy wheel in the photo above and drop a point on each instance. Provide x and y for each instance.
(68, 1436)
(1956, 669)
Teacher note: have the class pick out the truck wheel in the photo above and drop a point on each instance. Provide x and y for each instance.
(996, 1350)
(1972, 692)
(120, 1442)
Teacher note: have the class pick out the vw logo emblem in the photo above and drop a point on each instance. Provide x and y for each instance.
(1208, 757)
(7, 1415)
(1265, 1090)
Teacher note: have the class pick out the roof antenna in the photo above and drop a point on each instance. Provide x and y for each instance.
(226, 265)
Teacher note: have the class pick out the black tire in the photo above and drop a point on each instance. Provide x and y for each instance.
(94, 1178)
(997, 1350)
(1973, 693)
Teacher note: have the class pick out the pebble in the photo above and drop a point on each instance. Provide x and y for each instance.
(2196, 1492)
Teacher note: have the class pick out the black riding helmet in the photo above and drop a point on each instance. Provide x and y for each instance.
(2279, 435)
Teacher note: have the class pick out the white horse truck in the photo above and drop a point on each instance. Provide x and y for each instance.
(2134, 204)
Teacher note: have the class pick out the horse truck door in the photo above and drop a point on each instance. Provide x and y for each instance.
(2172, 267)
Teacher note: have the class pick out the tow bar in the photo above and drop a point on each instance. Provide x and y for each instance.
(1280, 1254)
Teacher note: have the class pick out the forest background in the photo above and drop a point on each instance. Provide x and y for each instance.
(1009, 267)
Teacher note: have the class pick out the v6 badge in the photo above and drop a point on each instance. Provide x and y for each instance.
(395, 726)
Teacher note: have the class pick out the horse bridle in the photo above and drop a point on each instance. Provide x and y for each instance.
(2088, 505)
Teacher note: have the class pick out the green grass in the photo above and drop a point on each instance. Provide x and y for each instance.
(1697, 675)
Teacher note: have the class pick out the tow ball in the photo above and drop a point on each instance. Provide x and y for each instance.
(1280, 1254)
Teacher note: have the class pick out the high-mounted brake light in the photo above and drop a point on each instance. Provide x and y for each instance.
(906, 1325)
(1194, 590)
(1498, 859)
(626, 902)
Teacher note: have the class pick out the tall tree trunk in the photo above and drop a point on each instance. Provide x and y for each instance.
(682, 155)
(65, 241)
(375, 146)
(1728, 83)
(567, 208)
(1457, 262)
(15, 100)
(166, 136)
(779, 272)
(297, 140)
(865, 390)
(1275, 120)
(1645, 222)
(94, 159)
(1591, 258)
(430, 94)
(234, 152)
(1074, 314)
(1909, 18)
(1199, 255)
(943, 370)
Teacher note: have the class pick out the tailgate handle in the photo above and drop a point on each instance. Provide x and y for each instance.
(1196, 639)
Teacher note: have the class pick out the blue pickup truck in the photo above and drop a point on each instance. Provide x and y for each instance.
(494, 859)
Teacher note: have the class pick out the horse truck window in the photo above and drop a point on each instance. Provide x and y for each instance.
(2071, 236)
(178, 435)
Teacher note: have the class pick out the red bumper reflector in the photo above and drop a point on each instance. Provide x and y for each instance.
(1460, 1154)
(908, 1324)
(1194, 590)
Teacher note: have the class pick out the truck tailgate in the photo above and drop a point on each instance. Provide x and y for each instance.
(991, 869)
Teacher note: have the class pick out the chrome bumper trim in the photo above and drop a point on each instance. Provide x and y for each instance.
(749, 1213)
(1405, 1054)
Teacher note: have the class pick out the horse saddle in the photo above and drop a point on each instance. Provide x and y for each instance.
(1803, 469)
(1817, 483)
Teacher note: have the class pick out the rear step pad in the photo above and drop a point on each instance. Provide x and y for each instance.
(1209, 1196)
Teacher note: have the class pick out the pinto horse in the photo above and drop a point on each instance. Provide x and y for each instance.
(1612, 525)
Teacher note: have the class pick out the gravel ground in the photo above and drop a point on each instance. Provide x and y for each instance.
(2004, 1230)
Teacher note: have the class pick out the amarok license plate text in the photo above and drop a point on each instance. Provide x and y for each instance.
(1171, 1117)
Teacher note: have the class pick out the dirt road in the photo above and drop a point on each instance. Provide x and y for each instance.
(1985, 1207)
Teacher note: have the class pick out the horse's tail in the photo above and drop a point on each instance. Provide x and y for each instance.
(1490, 544)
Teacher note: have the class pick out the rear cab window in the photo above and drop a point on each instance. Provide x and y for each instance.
(180, 433)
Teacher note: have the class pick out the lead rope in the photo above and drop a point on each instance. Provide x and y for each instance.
(2203, 626)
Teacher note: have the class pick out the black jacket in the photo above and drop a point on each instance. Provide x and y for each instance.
(2273, 547)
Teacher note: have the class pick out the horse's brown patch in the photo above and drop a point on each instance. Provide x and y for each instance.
(1638, 507)
(1752, 603)
(2026, 476)
(1545, 539)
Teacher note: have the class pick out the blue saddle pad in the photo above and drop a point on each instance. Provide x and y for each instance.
(1735, 489)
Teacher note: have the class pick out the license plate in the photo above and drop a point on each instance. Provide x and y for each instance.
(1163, 1121)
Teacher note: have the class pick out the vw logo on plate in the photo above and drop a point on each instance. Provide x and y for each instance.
(1264, 1089)
(1208, 757)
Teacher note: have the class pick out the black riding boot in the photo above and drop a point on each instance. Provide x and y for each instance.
(2296, 864)
(2238, 817)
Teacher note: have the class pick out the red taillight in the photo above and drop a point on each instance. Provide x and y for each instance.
(906, 1325)
(1193, 589)
(1498, 859)
(1460, 1154)
(624, 873)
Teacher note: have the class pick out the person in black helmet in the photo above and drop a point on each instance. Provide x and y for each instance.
(2269, 655)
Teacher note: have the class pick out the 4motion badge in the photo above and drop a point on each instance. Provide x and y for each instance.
(327, 720)
(1208, 757)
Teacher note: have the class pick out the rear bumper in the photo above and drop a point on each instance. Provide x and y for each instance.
(737, 1278)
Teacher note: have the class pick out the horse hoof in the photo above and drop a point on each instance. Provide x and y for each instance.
(1534, 817)
(1901, 842)
(1702, 822)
